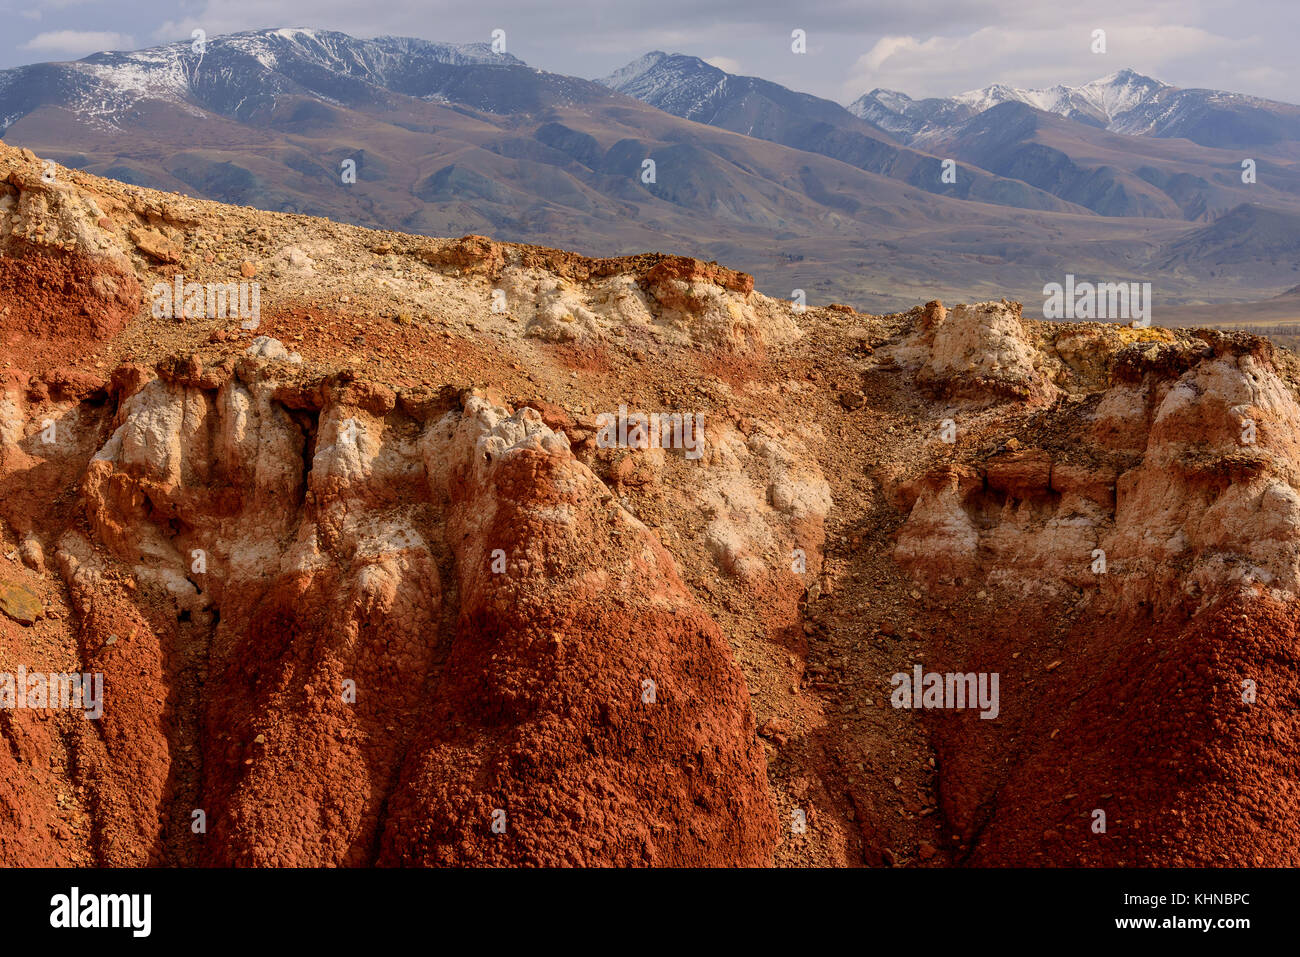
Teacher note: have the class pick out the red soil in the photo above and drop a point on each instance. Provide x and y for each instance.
(1145, 721)
(55, 306)
(545, 711)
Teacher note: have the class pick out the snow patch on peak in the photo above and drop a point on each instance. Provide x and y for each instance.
(293, 33)
(657, 71)
(633, 71)
(1120, 92)
(891, 99)
(1106, 98)
(232, 68)
(1113, 102)
(683, 85)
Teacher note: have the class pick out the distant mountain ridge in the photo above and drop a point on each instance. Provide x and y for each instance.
(1100, 103)
(1110, 146)
(673, 154)
(1124, 102)
(238, 74)
(449, 140)
(688, 87)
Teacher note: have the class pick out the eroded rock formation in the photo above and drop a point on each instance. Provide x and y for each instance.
(367, 585)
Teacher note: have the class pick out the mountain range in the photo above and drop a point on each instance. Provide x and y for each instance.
(880, 204)
(1123, 102)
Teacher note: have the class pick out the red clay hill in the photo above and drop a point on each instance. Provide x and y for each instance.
(366, 585)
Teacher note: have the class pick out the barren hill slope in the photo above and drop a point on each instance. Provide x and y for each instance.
(367, 584)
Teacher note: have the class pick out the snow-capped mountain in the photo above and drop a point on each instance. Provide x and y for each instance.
(1124, 102)
(237, 74)
(1024, 138)
(677, 84)
(1101, 101)
(688, 87)
(1105, 103)
(907, 119)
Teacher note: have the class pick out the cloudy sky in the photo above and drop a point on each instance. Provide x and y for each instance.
(923, 47)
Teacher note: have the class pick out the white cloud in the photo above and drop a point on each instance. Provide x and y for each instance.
(78, 42)
(944, 66)
(724, 63)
